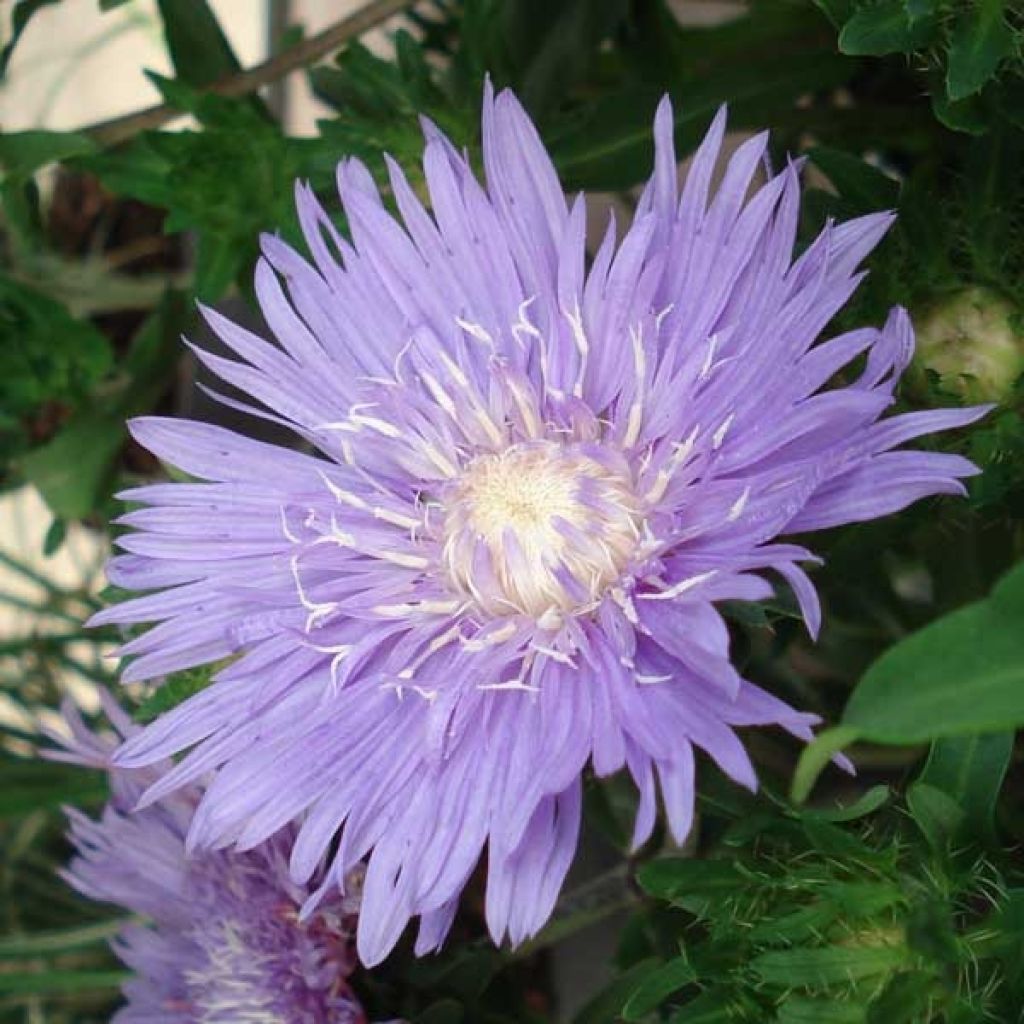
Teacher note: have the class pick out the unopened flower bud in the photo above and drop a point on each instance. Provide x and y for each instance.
(971, 340)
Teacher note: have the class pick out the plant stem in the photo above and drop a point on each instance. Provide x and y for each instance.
(45, 641)
(28, 572)
(584, 906)
(120, 129)
(43, 943)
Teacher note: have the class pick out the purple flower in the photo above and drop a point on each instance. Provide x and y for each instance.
(534, 478)
(223, 942)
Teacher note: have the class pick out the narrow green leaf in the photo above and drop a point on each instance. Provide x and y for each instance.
(217, 263)
(883, 28)
(606, 1006)
(445, 1011)
(828, 965)
(918, 9)
(837, 11)
(815, 756)
(908, 996)
(971, 769)
(981, 39)
(59, 941)
(55, 536)
(939, 817)
(48, 983)
(609, 146)
(714, 1007)
(962, 674)
(178, 688)
(22, 211)
(864, 187)
(968, 115)
(32, 785)
(199, 50)
(72, 471)
(675, 876)
(560, 53)
(657, 986)
(23, 153)
(867, 803)
(858, 900)
(801, 925)
(799, 1010)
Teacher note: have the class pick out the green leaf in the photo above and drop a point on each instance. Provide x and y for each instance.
(981, 39)
(815, 756)
(918, 9)
(671, 877)
(967, 115)
(606, 1006)
(867, 803)
(864, 187)
(883, 28)
(799, 1010)
(837, 11)
(73, 470)
(931, 931)
(1009, 98)
(609, 145)
(23, 153)
(20, 16)
(218, 261)
(857, 900)
(962, 674)
(22, 212)
(801, 925)
(47, 983)
(32, 785)
(198, 47)
(657, 986)
(178, 688)
(908, 996)
(828, 965)
(60, 940)
(555, 43)
(708, 1008)
(445, 1011)
(46, 354)
(970, 770)
(937, 814)
(56, 534)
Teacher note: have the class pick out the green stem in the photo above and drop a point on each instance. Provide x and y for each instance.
(29, 573)
(60, 941)
(42, 641)
(49, 982)
(13, 601)
(586, 905)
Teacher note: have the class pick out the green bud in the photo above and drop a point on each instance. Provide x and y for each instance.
(973, 341)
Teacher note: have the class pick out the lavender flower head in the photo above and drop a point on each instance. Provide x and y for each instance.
(223, 942)
(533, 480)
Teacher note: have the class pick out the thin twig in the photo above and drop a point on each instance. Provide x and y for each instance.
(120, 129)
(26, 570)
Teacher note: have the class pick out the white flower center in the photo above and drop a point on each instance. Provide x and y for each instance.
(540, 527)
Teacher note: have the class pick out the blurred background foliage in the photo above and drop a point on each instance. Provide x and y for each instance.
(896, 896)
